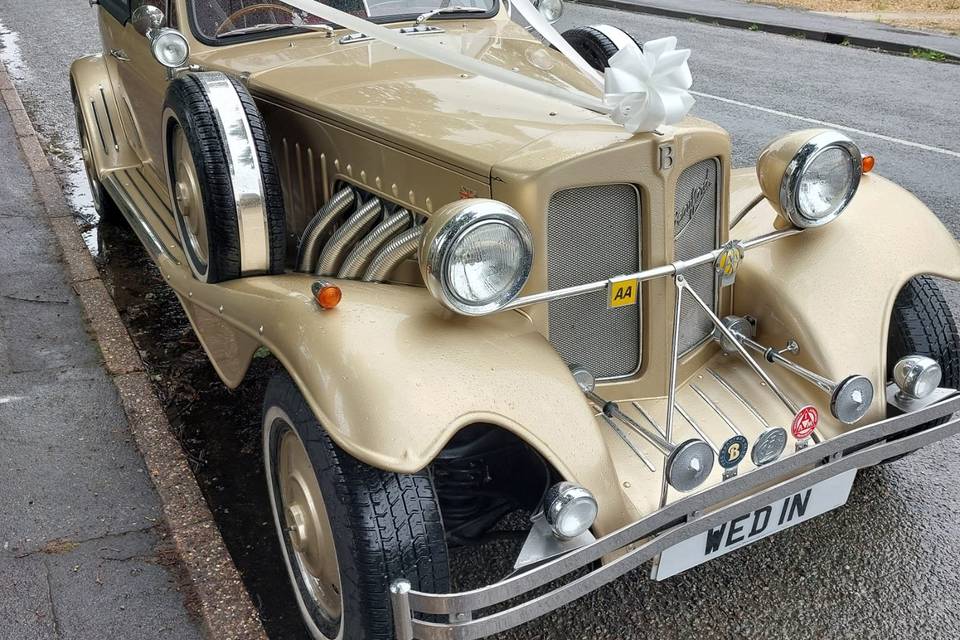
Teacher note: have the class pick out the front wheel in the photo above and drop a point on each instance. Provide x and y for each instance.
(346, 529)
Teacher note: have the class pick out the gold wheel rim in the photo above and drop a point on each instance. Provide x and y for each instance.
(307, 525)
(187, 197)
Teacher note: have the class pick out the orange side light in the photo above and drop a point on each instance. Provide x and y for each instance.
(868, 163)
(326, 294)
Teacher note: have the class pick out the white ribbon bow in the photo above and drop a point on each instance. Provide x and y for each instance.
(648, 88)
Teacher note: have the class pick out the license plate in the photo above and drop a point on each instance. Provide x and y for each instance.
(756, 525)
(623, 293)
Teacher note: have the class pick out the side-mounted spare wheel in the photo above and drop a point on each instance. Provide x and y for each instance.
(599, 43)
(346, 529)
(223, 183)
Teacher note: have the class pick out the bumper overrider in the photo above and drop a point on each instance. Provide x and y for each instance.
(482, 612)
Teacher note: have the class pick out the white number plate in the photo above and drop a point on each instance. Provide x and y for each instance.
(739, 532)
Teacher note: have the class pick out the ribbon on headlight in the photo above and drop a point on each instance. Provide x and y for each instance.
(646, 90)
(650, 87)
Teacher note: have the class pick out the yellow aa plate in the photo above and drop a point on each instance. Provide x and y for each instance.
(623, 293)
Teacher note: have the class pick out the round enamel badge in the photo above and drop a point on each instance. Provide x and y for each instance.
(805, 422)
(732, 452)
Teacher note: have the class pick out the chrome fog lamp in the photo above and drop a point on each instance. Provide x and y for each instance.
(476, 255)
(689, 465)
(170, 48)
(551, 10)
(569, 509)
(917, 376)
(810, 176)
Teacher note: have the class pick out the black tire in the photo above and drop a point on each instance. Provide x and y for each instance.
(193, 112)
(107, 210)
(387, 525)
(922, 324)
(595, 47)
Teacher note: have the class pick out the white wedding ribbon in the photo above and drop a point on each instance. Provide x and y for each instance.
(642, 89)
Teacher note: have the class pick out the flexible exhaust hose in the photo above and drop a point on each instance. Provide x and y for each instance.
(309, 248)
(392, 254)
(365, 215)
(358, 259)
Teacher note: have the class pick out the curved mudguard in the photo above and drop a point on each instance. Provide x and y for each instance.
(393, 376)
(833, 288)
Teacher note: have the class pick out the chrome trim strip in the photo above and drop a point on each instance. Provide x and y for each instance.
(687, 517)
(696, 427)
(663, 271)
(245, 177)
(96, 118)
(627, 442)
(106, 108)
(739, 396)
(716, 408)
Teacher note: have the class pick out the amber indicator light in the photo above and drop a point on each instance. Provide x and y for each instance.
(868, 163)
(326, 294)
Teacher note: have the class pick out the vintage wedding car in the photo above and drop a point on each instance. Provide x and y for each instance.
(505, 271)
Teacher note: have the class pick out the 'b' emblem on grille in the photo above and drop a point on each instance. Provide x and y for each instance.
(683, 215)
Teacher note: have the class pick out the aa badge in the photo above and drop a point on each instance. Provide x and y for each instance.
(728, 262)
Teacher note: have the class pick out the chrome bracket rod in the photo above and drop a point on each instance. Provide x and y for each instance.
(626, 441)
(791, 406)
(612, 410)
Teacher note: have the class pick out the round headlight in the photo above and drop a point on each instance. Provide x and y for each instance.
(476, 255)
(917, 376)
(551, 10)
(811, 176)
(170, 48)
(569, 510)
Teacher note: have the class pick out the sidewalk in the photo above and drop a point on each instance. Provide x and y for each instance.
(814, 26)
(83, 552)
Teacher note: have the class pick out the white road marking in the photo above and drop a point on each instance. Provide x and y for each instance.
(6, 399)
(831, 125)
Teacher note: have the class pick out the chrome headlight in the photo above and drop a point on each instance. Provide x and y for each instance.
(811, 176)
(551, 10)
(170, 48)
(476, 255)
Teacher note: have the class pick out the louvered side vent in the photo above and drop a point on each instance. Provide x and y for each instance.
(695, 233)
(593, 233)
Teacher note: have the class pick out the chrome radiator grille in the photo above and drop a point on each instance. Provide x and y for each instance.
(695, 233)
(592, 234)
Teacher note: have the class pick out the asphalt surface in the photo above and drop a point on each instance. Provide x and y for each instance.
(883, 566)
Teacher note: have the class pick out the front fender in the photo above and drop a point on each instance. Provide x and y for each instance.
(833, 288)
(100, 112)
(393, 376)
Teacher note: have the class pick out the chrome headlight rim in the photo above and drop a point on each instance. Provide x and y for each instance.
(439, 252)
(563, 496)
(801, 162)
(157, 43)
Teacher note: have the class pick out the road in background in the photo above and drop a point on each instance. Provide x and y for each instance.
(882, 566)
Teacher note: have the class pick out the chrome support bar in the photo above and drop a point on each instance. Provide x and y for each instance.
(850, 398)
(611, 409)
(626, 441)
(729, 335)
(664, 271)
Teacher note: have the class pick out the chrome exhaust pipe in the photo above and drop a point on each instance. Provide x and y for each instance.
(357, 224)
(850, 398)
(357, 260)
(309, 248)
(392, 254)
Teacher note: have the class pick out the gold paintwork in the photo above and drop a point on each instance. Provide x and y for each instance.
(390, 373)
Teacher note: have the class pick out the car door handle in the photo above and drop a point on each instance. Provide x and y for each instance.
(120, 55)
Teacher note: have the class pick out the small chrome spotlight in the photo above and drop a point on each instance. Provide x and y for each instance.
(917, 377)
(851, 399)
(769, 446)
(569, 509)
(689, 465)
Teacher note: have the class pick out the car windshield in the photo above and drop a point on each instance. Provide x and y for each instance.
(216, 20)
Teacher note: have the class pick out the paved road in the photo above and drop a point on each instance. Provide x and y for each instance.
(885, 565)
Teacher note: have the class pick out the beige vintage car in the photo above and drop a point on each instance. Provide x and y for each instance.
(490, 295)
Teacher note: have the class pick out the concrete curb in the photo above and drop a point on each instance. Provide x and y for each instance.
(218, 593)
(830, 37)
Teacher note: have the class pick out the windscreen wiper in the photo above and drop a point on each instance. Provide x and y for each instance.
(423, 17)
(256, 28)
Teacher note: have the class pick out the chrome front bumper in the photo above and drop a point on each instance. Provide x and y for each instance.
(474, 614)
